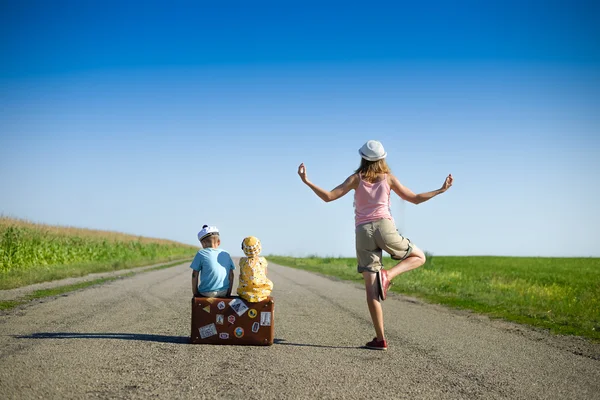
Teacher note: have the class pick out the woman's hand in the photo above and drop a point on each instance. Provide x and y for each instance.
(447, 183)
(350, 183)
(302, 172)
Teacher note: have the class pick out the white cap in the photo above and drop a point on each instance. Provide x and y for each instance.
(207, 231)
(372, 151)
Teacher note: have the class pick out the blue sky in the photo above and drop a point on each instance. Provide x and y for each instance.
(154, 119)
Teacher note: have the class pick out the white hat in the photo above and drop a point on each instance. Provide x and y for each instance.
(372, 151)
(207, 231)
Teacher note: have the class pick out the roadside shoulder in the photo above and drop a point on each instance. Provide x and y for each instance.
(25, 291)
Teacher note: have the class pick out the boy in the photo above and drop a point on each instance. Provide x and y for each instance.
(214, 266)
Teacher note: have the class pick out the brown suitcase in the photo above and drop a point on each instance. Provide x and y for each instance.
(232, 320)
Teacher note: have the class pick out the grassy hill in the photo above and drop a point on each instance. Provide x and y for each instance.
(31, 252)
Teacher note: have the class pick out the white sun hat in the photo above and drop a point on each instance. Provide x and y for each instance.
(372, 151)
(207, 231)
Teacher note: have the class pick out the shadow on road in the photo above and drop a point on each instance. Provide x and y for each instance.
(122, 336)
(286, 343)
(151, 338)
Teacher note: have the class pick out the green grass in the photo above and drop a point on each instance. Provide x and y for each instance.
(32, 253)
(560, 294)
(8, 304)
(38, 294)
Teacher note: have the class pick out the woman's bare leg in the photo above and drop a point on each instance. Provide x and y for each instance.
(414, 260)
(372, 289)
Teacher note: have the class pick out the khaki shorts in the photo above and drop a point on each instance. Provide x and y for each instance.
(372, 238)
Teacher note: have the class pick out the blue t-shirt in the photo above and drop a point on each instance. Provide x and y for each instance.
(213, 265)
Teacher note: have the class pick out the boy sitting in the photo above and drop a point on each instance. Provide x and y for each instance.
(214, 266)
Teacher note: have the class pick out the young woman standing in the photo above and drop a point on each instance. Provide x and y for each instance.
(375, 228)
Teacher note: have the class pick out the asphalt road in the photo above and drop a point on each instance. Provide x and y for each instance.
(129, 339)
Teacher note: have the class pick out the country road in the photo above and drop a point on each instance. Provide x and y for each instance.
(128, 339)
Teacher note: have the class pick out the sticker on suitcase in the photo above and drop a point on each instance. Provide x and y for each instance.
(221, 305)
(239, 332)
(255, 327)
(231, 319)
(252, 313)
(265, 318)
(223, 335)
(238, 306)
(208, 331)
(220, 319)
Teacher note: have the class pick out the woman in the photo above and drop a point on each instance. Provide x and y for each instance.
(375, 228)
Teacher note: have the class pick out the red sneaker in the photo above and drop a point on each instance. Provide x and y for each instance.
(377, 344)
(384, 283)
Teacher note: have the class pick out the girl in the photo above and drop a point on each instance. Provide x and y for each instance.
(375, 228)
(254, 286)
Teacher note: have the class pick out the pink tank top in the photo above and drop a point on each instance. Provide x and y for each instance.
(371, 201)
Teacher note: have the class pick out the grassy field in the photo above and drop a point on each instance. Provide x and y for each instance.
(31, 253)
(560, 294)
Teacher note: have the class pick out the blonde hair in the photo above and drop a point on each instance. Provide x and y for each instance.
(210, 241)
(370, 170)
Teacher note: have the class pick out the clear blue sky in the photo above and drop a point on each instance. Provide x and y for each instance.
(154, 119)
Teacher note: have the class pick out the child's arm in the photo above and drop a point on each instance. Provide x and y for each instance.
(195, 283)
(230, 283)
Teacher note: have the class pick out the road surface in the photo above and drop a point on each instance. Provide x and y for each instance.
(129, 339)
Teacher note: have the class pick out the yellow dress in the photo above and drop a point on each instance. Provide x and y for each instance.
(254, 285)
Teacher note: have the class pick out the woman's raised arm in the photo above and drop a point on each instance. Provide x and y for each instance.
(408, 195)
(350, 183)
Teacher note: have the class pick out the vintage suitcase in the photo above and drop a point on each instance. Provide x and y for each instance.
(232, 320)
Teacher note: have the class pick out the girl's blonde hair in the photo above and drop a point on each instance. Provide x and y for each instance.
(370, 170)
